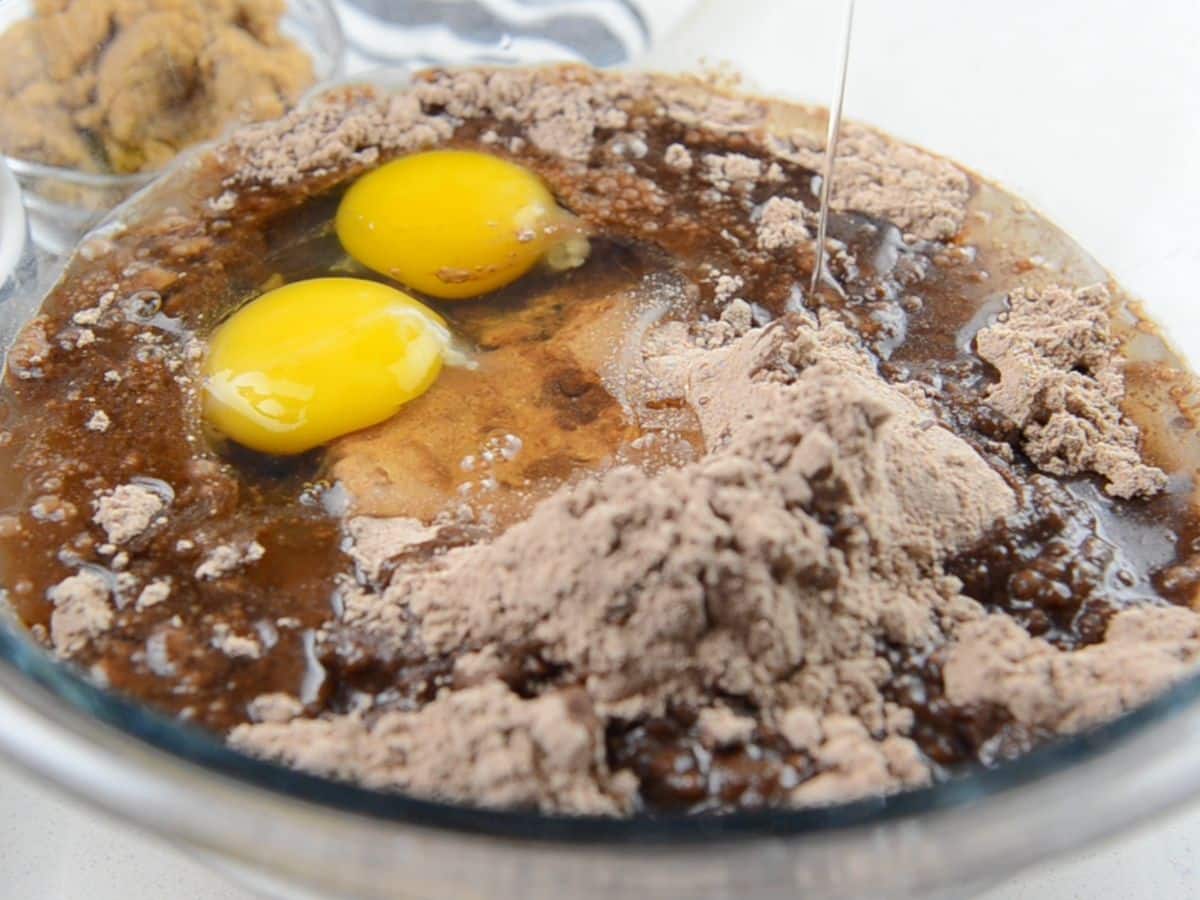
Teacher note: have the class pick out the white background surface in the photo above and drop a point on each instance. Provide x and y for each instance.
(1089, 109)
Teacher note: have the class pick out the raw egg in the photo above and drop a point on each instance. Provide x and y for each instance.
(314, 360)
(456, 223)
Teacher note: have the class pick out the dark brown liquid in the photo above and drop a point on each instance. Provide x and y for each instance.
(1060, 567)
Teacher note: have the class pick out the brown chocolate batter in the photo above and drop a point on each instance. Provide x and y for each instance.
(688, 538)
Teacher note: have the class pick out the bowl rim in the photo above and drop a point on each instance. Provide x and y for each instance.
(24, 168)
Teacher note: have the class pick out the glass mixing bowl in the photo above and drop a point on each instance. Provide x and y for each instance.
(1070, 127)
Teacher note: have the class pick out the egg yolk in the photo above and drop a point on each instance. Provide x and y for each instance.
(455, 223)
(318, 359)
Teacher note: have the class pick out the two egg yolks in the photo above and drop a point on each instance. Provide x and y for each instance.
(312, 361)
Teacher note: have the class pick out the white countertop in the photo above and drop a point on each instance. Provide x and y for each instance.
(1059, 100)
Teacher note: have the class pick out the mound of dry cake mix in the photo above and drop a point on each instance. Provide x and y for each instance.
(676, 533)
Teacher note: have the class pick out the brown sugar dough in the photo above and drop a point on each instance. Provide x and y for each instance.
(124, 85)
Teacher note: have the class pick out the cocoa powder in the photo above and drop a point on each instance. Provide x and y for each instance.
(1061, 384)
(757, 593)
(721, 578)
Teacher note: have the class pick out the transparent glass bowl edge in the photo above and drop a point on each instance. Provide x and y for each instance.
(297, 830)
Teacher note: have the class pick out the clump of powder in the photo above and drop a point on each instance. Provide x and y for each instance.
(784, 223)
(81, 611)
(276, 707)
(225, 559)
(770, 570)
(127, 511)
(153, 594)
(677, 157)
(731, 172)
(235, 645)
(561, 110)
(1061, 383)
(920, 193)
(1145, 650)
(557, 110)
(338, 130)
(98, 422)
(483, 744)
(855, 764)
(722, 727)
(374, 542)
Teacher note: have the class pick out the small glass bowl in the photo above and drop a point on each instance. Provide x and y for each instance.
(64, 203)
(14, 233)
